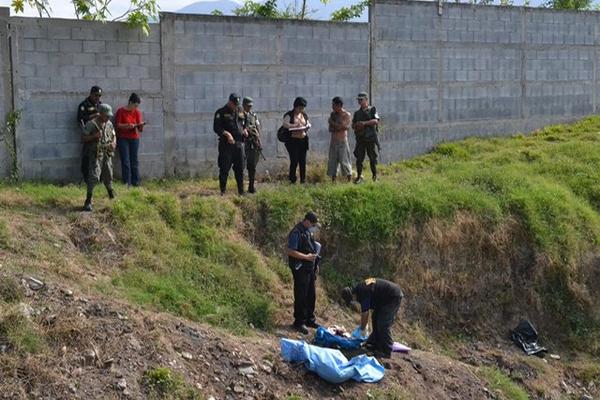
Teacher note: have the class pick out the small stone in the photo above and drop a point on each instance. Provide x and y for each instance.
(89, 357)
(135, 344)
(246, 371)
(76, 372)
(555, 356)
(35, 284)
(266, 368)
(198, 386)
(212, 398)
(72, 388)
(217, 379)
(238, 388)
(126, 393)
(67, 292)
(122, 317)
(26, 310)
(187, 355)
(63, 350)
(122, 384)
(3, 348)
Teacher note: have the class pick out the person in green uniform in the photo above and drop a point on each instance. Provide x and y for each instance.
(252, 146)
(365, 123)
(87, 110)
(99, 143)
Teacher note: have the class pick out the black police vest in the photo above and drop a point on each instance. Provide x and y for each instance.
(305, 246)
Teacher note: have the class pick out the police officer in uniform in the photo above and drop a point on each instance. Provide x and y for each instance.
(99, 144)
(383, 298)
(87, 110)
(365, 123)
(229, 127)
(303, 258)
(252, 146)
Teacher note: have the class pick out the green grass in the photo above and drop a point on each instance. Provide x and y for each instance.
(20, 333)
(192, 254)
(164, 384)
(501, 383)
(187, 261)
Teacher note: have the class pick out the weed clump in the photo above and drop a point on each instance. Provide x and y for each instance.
(164, 384)
(501, 383)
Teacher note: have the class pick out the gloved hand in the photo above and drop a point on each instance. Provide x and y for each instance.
(358, 334)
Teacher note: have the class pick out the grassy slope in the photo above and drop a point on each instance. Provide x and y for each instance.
(191, 254)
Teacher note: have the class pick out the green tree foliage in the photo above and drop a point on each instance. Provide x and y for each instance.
(138, 15)
(270, 9)
(353, 11)
(569, 4)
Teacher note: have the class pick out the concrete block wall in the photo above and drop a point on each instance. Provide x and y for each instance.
(271, 61)
(478, 70)
(5, 92)
(473, 70)
(56, 64)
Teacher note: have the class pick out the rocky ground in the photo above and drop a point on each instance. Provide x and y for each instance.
(99, 348)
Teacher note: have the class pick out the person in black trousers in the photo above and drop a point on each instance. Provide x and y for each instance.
(229, 127)
(303, 259)
(297, 122)
(384, 298)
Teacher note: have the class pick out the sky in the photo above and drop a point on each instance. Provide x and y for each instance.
(64, 8)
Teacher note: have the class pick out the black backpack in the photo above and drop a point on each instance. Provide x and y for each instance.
(283, 134)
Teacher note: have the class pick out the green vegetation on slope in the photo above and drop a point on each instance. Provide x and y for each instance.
(481, 230)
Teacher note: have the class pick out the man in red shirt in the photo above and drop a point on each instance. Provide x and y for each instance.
(129, 124)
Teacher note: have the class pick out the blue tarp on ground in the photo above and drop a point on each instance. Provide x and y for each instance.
(331, 364)
(324, 338)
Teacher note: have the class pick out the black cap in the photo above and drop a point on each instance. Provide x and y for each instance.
(235, 98)
(338, 101)
(96, 90)
(312, 217)
(247, 101)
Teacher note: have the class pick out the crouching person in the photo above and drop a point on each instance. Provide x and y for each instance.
(99, 141)
(383, 298)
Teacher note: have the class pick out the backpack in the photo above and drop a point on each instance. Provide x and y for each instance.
(283, 134)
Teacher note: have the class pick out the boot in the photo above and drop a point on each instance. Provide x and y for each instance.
(111, 193)
(87, 206)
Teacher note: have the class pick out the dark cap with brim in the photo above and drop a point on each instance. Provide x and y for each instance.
(312, 217)
(362, 95)
(96, 90)
(234, 98)
(248, 101)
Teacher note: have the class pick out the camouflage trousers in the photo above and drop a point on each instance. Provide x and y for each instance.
(99, 169)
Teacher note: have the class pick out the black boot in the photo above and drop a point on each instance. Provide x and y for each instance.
(87, 206)
(111, 193)
(251, 188)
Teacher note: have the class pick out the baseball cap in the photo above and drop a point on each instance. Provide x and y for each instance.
(312, 217)
(362, 95)
(96, 90)
(105, 109)
(235, 98)
(247, 101)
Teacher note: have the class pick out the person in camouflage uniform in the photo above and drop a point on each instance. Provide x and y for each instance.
(365, 124)
(99, 142)
(253, 147)
(87, 110)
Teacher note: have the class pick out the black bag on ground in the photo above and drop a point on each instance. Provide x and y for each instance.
(526, 337)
